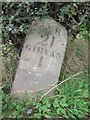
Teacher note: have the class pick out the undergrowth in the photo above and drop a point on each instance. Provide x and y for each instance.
(71, 101)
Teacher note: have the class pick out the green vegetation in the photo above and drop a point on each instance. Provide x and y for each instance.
(70, 102)
(71, 99)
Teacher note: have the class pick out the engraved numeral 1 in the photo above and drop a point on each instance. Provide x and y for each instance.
(40, 61)
(51, 44)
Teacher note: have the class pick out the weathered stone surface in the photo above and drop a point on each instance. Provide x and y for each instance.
(41, 58)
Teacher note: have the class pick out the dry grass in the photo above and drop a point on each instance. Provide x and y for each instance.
(76, 58)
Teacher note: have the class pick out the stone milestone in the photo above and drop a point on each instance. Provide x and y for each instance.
(41, 58)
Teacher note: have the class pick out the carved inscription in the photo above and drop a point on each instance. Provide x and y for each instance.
(57, 31)
(45, 41)
(43, 51)
(40, 61)
(41, 58)
(48, 40)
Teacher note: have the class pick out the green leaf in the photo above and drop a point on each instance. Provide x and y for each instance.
(27, 103)
(48, 116)
(56, 103)
(15, 114)
(37, 115)
(38, 105)
(63, 102)
(78, 113)
(19, 107)
(70, 113)
(61, 110)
